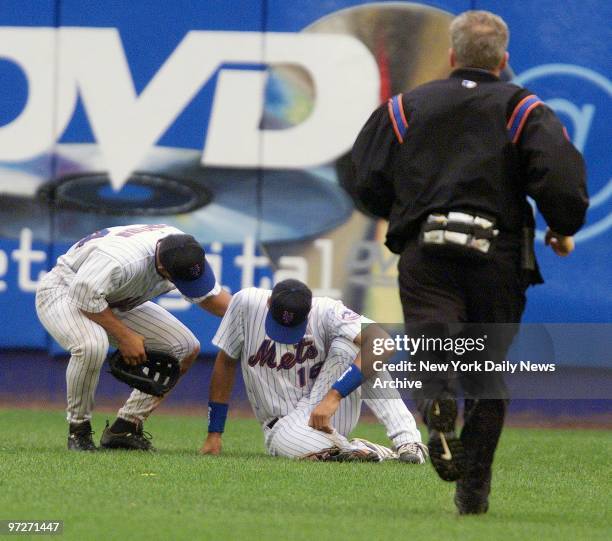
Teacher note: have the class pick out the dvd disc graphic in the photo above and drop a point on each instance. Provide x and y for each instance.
(144, 194)
(410, 44)
(213, 204)
(65, 194)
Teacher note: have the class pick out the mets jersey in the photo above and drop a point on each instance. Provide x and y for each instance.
(278, 375)
(115, 267)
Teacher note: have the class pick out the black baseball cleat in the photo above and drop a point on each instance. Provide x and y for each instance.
(134, 439)
(79, 437)
(472, 498)
(445, 448)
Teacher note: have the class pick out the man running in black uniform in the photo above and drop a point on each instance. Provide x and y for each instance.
(450, 165)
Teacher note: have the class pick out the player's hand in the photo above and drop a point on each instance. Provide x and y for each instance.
(131, 346)
(320, 418)
(212, 445)
(560, 244)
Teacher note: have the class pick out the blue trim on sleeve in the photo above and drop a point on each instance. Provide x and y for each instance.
(521, 113)
(397, 115)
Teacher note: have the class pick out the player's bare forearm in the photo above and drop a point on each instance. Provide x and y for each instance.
(221, 384)
(217, 304)
(365, 341)
(222, 379)
(130, 343)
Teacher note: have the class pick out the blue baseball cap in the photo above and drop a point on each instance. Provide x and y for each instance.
(287, 316)
(185, 261)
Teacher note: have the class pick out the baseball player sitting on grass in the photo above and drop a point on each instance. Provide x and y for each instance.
(294, 351)
(99, 293)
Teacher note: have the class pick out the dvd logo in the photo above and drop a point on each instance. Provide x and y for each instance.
(62, 64)
(590, 128)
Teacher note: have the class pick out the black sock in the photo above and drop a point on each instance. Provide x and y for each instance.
(84, 427)
(121, 425)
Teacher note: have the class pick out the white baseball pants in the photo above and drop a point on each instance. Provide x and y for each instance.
(88, 343)
(292, 437)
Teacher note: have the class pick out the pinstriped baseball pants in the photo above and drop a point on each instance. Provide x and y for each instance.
(292, 437)
(88, 343)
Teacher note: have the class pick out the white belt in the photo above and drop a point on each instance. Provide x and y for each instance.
(459, 229)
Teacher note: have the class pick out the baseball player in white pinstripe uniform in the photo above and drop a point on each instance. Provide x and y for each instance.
(99, 294)
(293, 349)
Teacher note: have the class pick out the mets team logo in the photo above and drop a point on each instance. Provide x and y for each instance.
(266, 355)
(196, 270)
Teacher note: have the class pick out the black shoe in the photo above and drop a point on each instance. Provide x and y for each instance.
(79, 437)
(472, 498)
(136, 439)
(445, 448)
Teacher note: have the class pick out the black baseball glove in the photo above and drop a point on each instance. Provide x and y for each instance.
(156, 376)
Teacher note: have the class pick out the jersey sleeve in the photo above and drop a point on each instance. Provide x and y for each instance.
(212, 293)
(556, 173)
(230, 334)
(342, 322)
(98, 276)
(368, 179)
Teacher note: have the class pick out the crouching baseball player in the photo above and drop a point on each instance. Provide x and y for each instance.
(99, 294)
(293, 350)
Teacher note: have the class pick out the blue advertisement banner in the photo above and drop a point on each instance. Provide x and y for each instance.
(230, 119)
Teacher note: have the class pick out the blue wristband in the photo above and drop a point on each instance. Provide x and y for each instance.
(349, 381)
(217, 413)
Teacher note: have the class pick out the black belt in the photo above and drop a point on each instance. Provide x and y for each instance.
(272, 422)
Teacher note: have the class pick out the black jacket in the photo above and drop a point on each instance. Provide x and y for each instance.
(470, 142)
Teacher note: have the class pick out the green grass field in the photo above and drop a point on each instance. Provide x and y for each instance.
(547, 485)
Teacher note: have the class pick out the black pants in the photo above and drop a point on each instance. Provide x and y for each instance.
(460, 297)
(454, 297)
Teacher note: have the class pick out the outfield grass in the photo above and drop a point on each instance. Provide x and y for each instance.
(548, 485)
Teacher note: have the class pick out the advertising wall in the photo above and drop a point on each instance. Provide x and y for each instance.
(232, 120)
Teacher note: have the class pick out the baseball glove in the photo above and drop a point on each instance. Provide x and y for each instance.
(156, 376)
